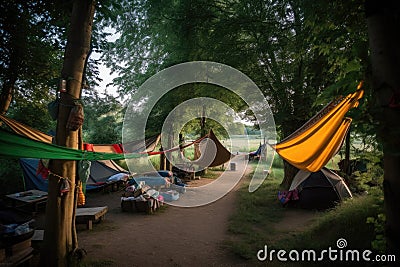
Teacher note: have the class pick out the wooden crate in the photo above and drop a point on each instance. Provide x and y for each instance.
(90, 215)
(2, 254)
(128, 206)
(144, 206)
(148, 206)
(18, 247)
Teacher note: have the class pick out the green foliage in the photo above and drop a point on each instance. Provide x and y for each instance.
(33, 114)
(11, 179)
(30, 47)
(292, 50)
(379, 243)
(338, 32)
(368, 171)
(278, 161)
(378, 222)
(103, 119)
(155, 161)
(183, 93)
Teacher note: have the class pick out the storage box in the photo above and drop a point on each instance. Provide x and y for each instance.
(2, 254)
(18, 247)
(144, 206)
(128, 206)
(148, 206)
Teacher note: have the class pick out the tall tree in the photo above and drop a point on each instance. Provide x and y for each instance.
(284, 46)
(103, 119)
(60, 240)
(383, 22)
(167, 33)
(294, 64)
(29, 45)
(267, 41)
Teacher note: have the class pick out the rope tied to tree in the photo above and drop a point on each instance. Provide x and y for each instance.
(64, 183)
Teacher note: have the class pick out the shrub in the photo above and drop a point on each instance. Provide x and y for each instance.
(11, 178)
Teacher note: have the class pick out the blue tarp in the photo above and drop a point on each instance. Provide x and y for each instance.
(151, 181)
(99, 172)
(33, 180)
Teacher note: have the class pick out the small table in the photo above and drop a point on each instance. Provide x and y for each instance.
(30, 197)
(88, 215)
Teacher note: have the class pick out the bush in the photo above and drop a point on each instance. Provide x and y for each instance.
(371, 175)
(11, 177)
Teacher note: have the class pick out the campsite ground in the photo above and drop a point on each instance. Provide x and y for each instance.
(172, 236)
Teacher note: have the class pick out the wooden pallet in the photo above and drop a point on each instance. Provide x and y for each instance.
(90, 215)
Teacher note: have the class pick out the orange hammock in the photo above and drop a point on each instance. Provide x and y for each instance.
(317, 141)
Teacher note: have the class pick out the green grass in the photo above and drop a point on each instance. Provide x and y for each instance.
(347, 220)
(257, 214)
(254, 214)
(211, 174)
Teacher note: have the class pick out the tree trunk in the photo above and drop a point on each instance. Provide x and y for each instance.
(60, 240)
(168, 155)
(384, 37)
(346, 165)
(6, 97)
(289, 173)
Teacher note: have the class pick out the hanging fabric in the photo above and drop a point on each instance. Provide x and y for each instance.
(75, 119)
(81, 196)
(15, 146)
(317, 141)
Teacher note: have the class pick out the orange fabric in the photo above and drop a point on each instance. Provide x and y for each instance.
(81, 197)
(317, 141)
(27, 131)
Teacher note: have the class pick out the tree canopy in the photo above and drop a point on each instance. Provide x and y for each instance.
(301, 55)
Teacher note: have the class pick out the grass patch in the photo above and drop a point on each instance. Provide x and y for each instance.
(211, 174)
(258, 215)
(347, 220)
(254, 215)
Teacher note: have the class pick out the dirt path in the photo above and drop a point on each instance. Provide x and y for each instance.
(173, 237)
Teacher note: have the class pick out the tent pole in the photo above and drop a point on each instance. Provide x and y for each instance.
(23, 182)
(346, 166)
(162, 160)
